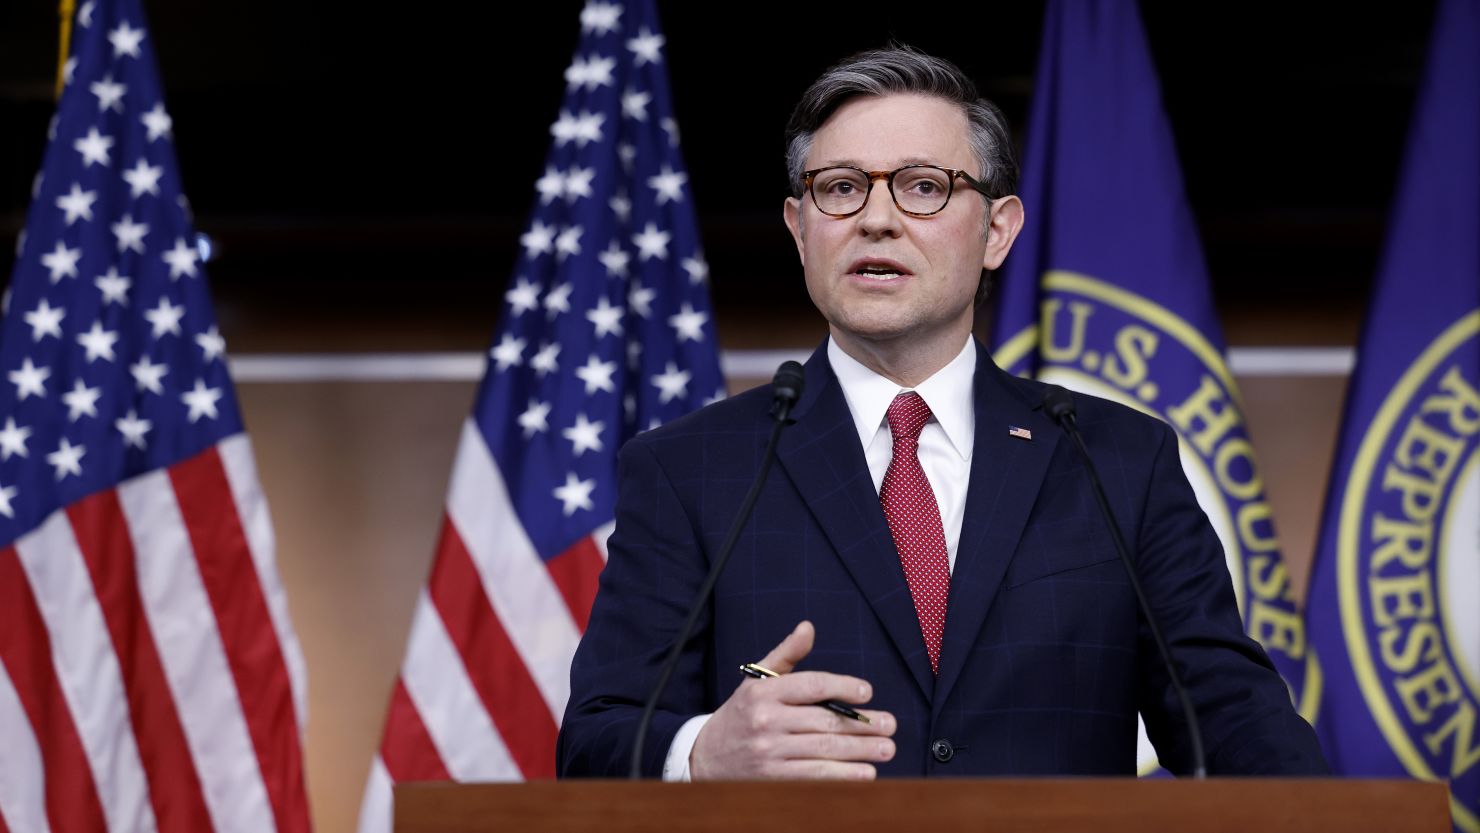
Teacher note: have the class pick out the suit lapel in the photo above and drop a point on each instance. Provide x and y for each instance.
(1006, 473)
(822, 457)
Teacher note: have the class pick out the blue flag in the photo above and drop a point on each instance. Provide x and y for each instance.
(1106, 291)
(1392, 609)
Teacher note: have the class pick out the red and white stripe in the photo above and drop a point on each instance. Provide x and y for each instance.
(487, 669)
(22, 788)
(149, 678)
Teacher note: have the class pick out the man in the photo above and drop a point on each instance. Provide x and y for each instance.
(928, 544)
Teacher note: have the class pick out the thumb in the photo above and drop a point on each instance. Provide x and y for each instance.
(792, 650)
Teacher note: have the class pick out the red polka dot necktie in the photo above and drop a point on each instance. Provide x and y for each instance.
(914, 522)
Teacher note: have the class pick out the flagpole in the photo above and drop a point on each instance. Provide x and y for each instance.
(65, 9)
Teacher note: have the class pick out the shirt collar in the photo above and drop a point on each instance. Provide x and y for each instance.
(948, 393)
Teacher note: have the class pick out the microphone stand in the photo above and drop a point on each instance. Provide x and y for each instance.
(1060, 406)
(788, 389)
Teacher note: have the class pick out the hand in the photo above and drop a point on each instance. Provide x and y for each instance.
(772, 728)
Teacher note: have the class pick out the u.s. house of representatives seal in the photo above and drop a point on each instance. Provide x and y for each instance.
(1408, 566)
(1103, 340)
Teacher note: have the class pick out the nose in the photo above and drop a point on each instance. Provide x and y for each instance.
(880, 217)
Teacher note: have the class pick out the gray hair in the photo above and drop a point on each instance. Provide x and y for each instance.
(902, 69)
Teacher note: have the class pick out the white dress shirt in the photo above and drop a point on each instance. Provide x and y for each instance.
(946, 444)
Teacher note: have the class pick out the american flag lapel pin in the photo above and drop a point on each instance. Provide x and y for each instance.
(1020, 433)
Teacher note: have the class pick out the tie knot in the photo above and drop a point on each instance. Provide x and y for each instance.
(907, 414)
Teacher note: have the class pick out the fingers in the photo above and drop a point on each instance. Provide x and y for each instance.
(804, 770)
(830, 756)
(799, 719)
(792, 650)
(773, 727)
(806, 687)
(829, 747)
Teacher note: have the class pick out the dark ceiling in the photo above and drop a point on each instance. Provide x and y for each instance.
(382, 161)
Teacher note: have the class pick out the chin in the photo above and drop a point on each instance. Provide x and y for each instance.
(874, 330)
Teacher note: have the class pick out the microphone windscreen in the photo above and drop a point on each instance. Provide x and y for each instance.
(787, 383)
(1058, 403)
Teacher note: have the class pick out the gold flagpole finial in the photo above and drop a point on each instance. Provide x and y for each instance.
(65, 10)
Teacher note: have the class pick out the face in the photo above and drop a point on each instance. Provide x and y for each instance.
(882, 278)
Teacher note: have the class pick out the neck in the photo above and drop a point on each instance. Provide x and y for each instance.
(905, 361)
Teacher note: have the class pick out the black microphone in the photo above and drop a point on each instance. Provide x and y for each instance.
(786, 388)
(1059, 405)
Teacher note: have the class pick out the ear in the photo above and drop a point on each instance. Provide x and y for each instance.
(791, 212)
(1007, 221)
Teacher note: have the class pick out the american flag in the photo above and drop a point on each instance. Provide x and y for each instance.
(606, 331)
(149, 676)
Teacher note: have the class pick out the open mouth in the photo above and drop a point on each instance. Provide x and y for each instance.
(879, 270)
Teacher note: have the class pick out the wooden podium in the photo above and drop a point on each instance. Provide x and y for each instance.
(1110, 805)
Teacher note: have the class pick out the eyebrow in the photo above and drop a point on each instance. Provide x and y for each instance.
(853, 163)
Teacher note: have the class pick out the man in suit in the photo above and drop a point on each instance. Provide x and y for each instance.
(927, 544)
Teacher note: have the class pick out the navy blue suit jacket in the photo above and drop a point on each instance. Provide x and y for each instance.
(1046, 659)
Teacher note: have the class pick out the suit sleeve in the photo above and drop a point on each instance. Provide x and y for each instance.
(655, 566)
(1249, 725)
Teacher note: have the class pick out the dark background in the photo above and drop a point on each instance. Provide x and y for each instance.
(366, 169)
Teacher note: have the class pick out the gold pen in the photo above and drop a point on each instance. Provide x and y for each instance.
(750, 669)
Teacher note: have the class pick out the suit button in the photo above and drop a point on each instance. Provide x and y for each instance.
(942, 750)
